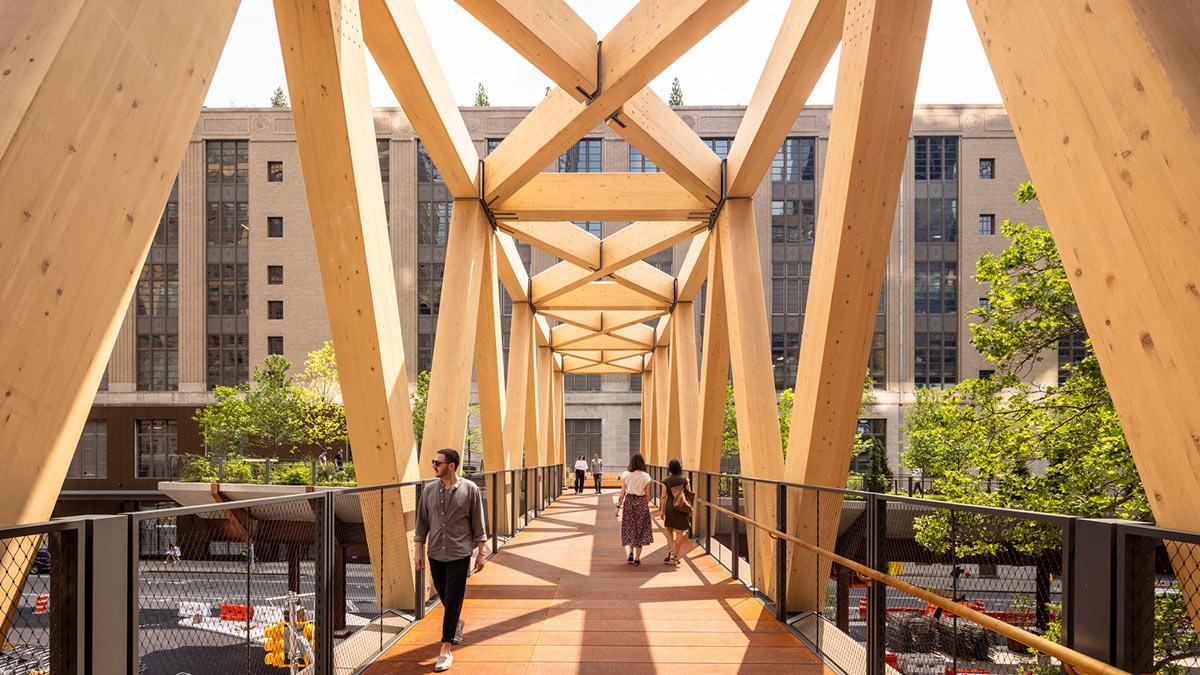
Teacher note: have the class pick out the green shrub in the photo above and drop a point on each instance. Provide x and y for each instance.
(291, 473)
(237, 470)
(196, 469)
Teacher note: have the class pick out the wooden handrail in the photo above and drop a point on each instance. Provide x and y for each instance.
(1075, 661)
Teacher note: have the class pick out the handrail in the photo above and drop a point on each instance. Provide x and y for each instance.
(1068, 656)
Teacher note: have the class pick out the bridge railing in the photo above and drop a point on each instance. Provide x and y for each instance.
(323, 578)
(925, 585)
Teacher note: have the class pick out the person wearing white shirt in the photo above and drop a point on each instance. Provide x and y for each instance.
(581, 467)
(635, 518)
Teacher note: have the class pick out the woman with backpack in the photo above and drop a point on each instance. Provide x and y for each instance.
(677, 510)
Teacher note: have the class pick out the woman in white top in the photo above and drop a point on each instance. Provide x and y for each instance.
(635, 519)
(580, 474)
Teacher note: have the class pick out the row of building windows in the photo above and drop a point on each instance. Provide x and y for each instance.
(156, 443)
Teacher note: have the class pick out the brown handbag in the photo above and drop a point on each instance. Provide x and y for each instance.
(681, 498)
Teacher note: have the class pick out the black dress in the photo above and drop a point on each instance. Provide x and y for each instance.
(672, 518)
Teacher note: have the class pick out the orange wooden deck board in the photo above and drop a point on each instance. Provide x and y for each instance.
(559, 598)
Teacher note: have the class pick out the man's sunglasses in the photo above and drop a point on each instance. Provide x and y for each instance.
(438, 462)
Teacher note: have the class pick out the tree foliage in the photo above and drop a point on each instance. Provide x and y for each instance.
(481, 97)
(275, 406)
(420, 400)
(1044, 447)
(225, 423)
(279, 99)
(676, 97)
(323, 417)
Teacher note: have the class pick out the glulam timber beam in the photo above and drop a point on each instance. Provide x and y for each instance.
(872, 115)
(604, 295)
(714, 369)
(683, 432)
(548, 33)
(806, 41)
(518, 383)
(564, 277)
(1109, 136)
(396, 37)
(564, 239)
(511, 269)
(659, 133)
(489, 362)
(644, 42)
(693, 271)
(602, 322)
(601, 196)
(325, 66)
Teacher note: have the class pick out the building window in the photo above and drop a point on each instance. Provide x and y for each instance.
(936, 158)
(795, 161)
(720, 146)
(156, 442)
(793, 222)
(987, 168)
(663, 260)
(227, 200)
(635, 383)
(1071, 351)
(274, 345)
(274, 226)
(435, 208)
(424, 352)
(433, 223)
(987, 374)
(90, 461)
(873, 431)
(592, 227)
(274, 309)
(635, 435)
(383, 147)
(158, 362)
(987, 223)
(639, 163)
(274, 275)
(274, 172)
(785, 355)
(936, 359)
(583, 438)
(158, 289)
(985, 304)
(936, 288)
(583, 157)
(492, 144)
(581, 382)
(429, 287)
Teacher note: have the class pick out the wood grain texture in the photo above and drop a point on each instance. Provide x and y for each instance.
(601, 196)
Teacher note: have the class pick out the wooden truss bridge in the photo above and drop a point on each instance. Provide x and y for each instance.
(100, 97)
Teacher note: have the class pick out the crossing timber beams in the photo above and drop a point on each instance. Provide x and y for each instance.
(648, 39)
(604, 295)
(397, 39)
(335, 132)
(806, 41)
(601, 196)
(660, 134)
(1109, 136)
(877, 79)
(548, 33)
(564, 239)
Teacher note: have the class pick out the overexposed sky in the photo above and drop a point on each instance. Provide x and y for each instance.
(722, 69)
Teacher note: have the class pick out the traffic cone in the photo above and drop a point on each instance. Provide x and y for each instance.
(42, 606)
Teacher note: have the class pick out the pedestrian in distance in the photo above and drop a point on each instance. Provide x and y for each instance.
(581, 467)
(338, 462)
(450, 524)
(597, 470)
(633, 508)
(677, 509)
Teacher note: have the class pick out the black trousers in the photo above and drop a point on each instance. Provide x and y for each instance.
(450, 580)
(597, 476)
(579, 475)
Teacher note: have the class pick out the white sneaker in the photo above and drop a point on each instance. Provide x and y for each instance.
(444, 661)
(458, 634)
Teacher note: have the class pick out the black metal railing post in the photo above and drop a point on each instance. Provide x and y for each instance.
(324, 587)
(708, 513)
(496, 496)
(418, 575)
(876, 592)
(734, 543)
(781, 565)
(1066, 581)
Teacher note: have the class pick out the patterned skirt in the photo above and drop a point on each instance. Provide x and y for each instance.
(635, 522)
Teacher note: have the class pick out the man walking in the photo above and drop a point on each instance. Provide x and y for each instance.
(597, 470)
(449, 524)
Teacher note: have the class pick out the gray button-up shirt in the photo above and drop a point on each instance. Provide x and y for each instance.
(597, 465)
(452, 520)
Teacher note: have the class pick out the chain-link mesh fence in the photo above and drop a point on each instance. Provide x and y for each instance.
(26, 591)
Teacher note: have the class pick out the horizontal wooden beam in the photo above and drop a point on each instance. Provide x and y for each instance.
(602, 196)
(511, 268)
(604, 295)
(809, 35)
(648, 39)
(590, 319)
(393, 31)
(600, 369)
(564, 239)
(548, 33)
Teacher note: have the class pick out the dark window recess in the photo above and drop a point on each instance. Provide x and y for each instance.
(275, 226)
(635, 435)
(274, 309)
(874, 431)
(583, 438)
(274, 274)
(987, 374)
(90, 461)
(274, 345)
(156, 442)
(987, 223)
(987, 168)
(583, 157)
(581, 382)
(274, 172)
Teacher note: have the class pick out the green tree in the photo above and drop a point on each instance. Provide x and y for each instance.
(225, 423)
(279, 99)
(275, 406)
(322, 415)
(420, 400)
(676, 97)
(481, 97)
(1043, 447)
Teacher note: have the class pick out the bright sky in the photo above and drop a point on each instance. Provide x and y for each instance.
(721, 70)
